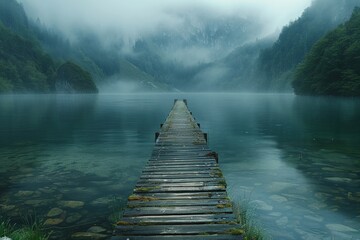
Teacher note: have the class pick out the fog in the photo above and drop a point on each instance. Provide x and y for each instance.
(165, 44)
(130, 20)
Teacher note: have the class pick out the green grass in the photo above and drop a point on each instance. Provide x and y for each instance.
(245, 215)
(29, 231)
(117, 207)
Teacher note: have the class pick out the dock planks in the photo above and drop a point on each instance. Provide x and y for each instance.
(181, 193)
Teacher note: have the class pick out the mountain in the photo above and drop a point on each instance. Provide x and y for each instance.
(167, 59)
(276, 64)
(333, 65)
(234, 71)
(24, 66)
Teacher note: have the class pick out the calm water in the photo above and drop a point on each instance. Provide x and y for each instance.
(295, 161)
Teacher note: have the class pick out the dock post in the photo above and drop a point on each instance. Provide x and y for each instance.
(157, 134)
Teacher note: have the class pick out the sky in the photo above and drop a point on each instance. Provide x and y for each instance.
(132, 19)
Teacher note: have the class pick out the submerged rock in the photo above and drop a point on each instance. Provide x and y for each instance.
(7, 207)
(282, 222)
(36, 203)
(338, 179)
(54, 212)
(24, 193)
(72, 204)
(89, 235)
(73, 218)
(53, 221)
(278, 198)
(340, 228)
(314, 218)
(261, 205)
(103, 201)
(280, 186)
(96, 229)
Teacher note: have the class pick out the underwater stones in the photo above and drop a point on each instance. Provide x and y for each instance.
(46, 190)
(353, 197)
(261, 205)
(338, 179)
(35, 203)
(24, 193)
(280, 186)
(314, 218)
(97, 229)
(53, 221)
(7, 207)
(103, 201)
(54, 212)
(73, 218)
(340, 228)
(278, 198)
(275, 214)
(72, 204)
(329, 169)
(282, 222)
(89, 235)
(322, 195)
(317, 205)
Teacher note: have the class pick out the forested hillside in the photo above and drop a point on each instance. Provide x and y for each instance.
(276, 65)
(24, 66)
(333, 65)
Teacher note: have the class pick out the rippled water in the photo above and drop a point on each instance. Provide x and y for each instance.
(294, 160)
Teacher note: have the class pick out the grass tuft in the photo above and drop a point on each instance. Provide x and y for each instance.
(245, 217)
(29, 231)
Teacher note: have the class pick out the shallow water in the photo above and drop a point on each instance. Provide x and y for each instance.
(295, 161)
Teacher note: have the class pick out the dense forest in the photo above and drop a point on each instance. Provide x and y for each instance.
(333, 65)
(24, 66)
(276, 65)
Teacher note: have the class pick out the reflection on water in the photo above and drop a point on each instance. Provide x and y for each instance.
(74, 159)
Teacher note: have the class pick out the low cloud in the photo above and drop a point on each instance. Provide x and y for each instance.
(130, 20)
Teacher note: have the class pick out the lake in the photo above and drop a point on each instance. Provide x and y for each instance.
(293, 161)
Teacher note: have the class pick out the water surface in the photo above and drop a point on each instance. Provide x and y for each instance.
(294, 160)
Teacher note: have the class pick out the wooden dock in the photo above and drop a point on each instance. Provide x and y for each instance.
(181, 193)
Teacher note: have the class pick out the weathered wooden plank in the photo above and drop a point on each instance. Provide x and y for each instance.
(181, 219)
(161, 176)
(178, 158)
(179, 161)
(181, 202)
(174, 229)
(180, 180)
(173, 210)
(180, 169)
(186, 195)
(183, 184)
(187, 172)
(177, 164)
(180, 237)
(158, 189)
